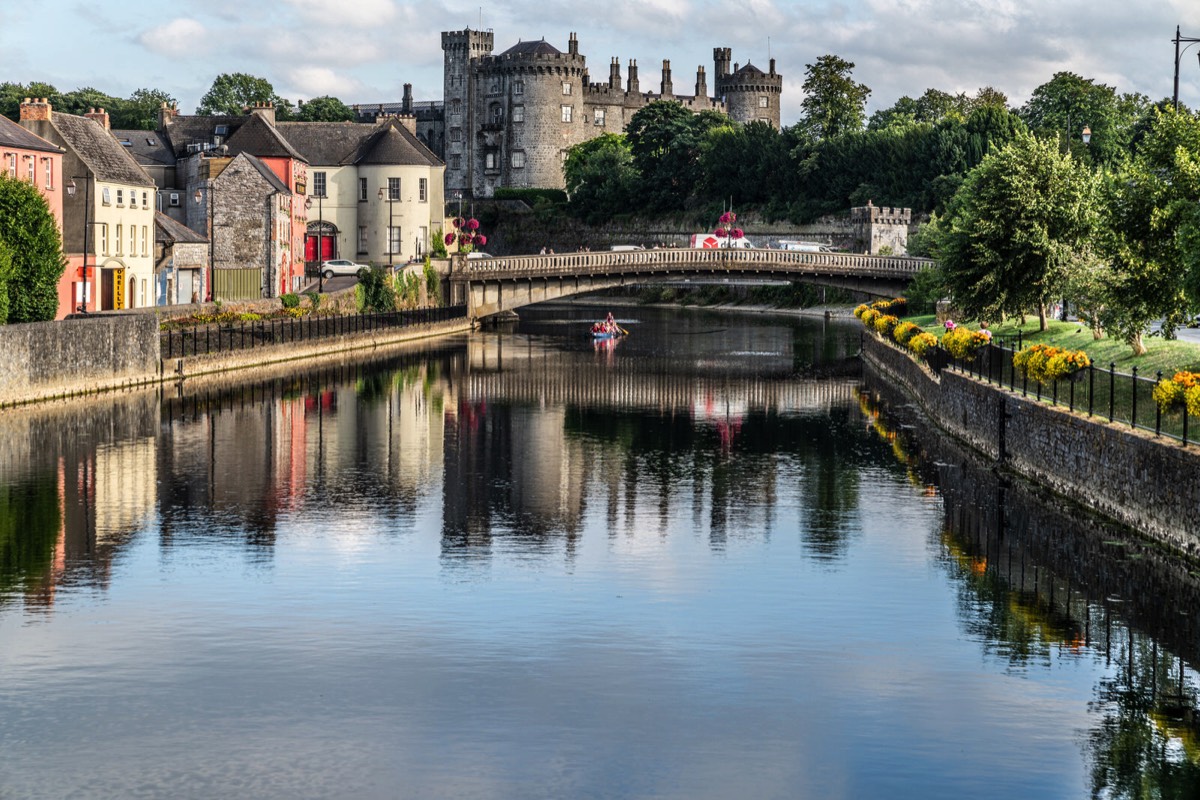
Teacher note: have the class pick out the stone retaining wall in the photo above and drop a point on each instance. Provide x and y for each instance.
(1150, 483)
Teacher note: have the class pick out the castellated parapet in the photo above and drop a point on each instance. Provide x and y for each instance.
(876, 227)
(512, 117)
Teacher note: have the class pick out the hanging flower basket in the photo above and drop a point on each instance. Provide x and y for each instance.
(1181, 390)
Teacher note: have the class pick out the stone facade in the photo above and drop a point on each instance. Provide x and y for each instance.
(510, 118)
(1150, 484)
(877, 227)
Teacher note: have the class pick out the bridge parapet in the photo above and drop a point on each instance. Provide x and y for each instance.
(690, 260)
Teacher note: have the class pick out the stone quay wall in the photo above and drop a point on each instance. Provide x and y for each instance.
(1151, 484)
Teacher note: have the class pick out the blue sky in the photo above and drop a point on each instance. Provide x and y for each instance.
(363, 51)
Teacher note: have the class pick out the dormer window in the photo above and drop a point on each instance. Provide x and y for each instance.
(221, 130)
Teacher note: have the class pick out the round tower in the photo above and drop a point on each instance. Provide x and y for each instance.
(749, 93)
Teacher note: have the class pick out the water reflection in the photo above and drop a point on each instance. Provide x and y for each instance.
(1042, 583)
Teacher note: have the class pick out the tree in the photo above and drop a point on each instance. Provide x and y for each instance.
(1061, 107)
(664, 140)
(80, 101)
(140, 111)
(232, 93)
(833, 104)
(11, 95)
(600, 178)
(325, 109)
(1015, 227)
(30, 233)
(6, 273)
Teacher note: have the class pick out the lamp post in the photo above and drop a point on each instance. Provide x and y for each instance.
(320, 238)
(1179, 54)
(212, 237)
(390, 200)
(87, 209)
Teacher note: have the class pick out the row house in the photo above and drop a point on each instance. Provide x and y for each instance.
(28, 157)
(108, 210)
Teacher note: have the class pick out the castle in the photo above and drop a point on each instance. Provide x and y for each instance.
(508, 120)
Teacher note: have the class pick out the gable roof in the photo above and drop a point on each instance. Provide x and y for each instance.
(259, 138)
(174, 232)
(393, 143)
(184, 130)
(270, 177)
(749, 69)
(540, 48)
(99, 150)
(326, 143)
(146, 147)
(13, 135)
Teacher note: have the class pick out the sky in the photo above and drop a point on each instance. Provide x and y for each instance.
(364, 51)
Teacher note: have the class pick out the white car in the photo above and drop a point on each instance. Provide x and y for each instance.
(478, 254)
(340, 266)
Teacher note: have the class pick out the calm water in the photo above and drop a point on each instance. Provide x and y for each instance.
(705, 561)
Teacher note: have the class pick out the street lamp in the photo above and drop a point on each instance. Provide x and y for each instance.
(1086, 135)
(87, 208)
(1179, 54)
(389, 201)
(212, 236)
(320, 238)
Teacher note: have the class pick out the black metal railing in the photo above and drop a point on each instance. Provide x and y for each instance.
(249, 334)
(1098, 391)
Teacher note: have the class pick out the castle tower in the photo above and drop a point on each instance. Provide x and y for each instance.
(460, 49)
(749, 93)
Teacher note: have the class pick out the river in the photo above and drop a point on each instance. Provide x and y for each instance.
(707, 560)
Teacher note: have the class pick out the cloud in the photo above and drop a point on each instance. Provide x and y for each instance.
(181, 35)
(311, 82)
(340, 13)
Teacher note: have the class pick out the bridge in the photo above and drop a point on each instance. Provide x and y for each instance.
(489, 286)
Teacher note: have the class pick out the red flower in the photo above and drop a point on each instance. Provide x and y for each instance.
(459, 222)
(473, 224)
(481, 240)
(737, 233)
(449, 238)
(719, 232)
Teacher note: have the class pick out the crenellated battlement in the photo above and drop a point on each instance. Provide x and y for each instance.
(881, 215)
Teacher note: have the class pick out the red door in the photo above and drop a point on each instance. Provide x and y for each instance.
(310, 247)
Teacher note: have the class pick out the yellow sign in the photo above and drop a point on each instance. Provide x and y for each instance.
(118, 288)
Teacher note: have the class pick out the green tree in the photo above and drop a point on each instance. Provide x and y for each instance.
(1015, 227)
(140, 110)
(30, 232)
(325, 109)
(664, 140)
(231, 93)
(1061, 107)
(6, 273)
(600, 178)
(11, 95)
(833, 103)
(80, 101)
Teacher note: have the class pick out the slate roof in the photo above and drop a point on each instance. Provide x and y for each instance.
(148, 148)
(259, 138)
(185, 130)
(99, 151)
(13, 135)
(265, 171)
(326, 143)
(539, 48)
(393, 143)
(173, 232)
(749, 69)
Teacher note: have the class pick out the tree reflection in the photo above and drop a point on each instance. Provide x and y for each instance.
(30, 521)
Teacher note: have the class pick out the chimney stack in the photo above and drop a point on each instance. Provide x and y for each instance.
(666, 89)
(406, 105)
(614, 74)
(101, 116)
(701, 83)
(37, 108)
(633, 87)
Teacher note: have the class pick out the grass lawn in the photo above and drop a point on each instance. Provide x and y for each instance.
(1161, 354)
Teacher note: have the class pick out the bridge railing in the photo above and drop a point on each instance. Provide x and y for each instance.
(679, 259)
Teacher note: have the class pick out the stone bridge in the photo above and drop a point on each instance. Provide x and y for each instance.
(490, 286)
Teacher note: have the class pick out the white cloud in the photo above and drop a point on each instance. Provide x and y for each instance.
(317, 81)
(340, 13)
(181, 35)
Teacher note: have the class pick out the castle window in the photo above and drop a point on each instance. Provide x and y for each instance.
(566, 88)
(518, 114)
(489, 159)
(763, 102)
(455, 161)
(456, 134)
(518, 159)
(518, 87)
(599, 116)
(497, 114)
(566, 113)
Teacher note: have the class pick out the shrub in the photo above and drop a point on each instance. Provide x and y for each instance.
(290, 300)
(921, 342)
(314, 299)
(904, 331)
(886, 323)
(963, 343)
(437, 245)
(897, 306)
(249, 316)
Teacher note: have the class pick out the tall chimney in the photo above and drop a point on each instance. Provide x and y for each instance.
(666, 89)
(36, 109)
(614, 74)
(406, 105)
(632, 87)
(701, 83)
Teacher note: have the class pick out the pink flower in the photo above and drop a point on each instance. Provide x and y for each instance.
(473, 224)
(481, 240)
(725, 220)
(459, 222)
(737, 233)
(719, 232)
(449, 238)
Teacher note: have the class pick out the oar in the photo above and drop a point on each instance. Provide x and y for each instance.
(622, 330)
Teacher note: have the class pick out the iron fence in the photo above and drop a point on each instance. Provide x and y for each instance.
(249, 334)
(1102, 392)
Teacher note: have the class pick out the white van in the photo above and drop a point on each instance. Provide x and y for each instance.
(803, 247)
(710, 241)
(625, 248)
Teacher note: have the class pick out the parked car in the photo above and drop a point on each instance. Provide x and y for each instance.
(478, 254)
(340, 266)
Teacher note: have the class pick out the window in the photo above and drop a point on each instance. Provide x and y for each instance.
(393, 188)
(394, 240)
(362, 239)
(145, 241)
(518, 114)
(518, 159)
(120, 239)
(133, 240)
(763, 102)
(362, 190)
(423, 189)
(49, 162)
(566, 113)
(497, 114)
(12, 164)
(455, 162)
(566, 88)
(456, 106)
(106, 196)
(32, 168)
(132, 199)
(145, 199)
(120, 197)
(422, 239)
(319, 184)
(518, 87)
(174, 200)
(221, 130)
(103, 248)
(489, 159)
(456, 134)
(599, 116)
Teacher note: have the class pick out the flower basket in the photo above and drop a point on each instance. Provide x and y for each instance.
(1180, 391)
(921, 343)
(1044, 364)
(963, 343)
(886, 323)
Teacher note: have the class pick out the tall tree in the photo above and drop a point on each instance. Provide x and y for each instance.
(664, 140)
(30, 232)
(231, 93)
(325, 109)
(140, 110)
(833, 103)
(1061, 107)
(1013, 230)
(11, 95)
(600, 178)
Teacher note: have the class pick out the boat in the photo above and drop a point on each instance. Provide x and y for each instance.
(608, 329)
